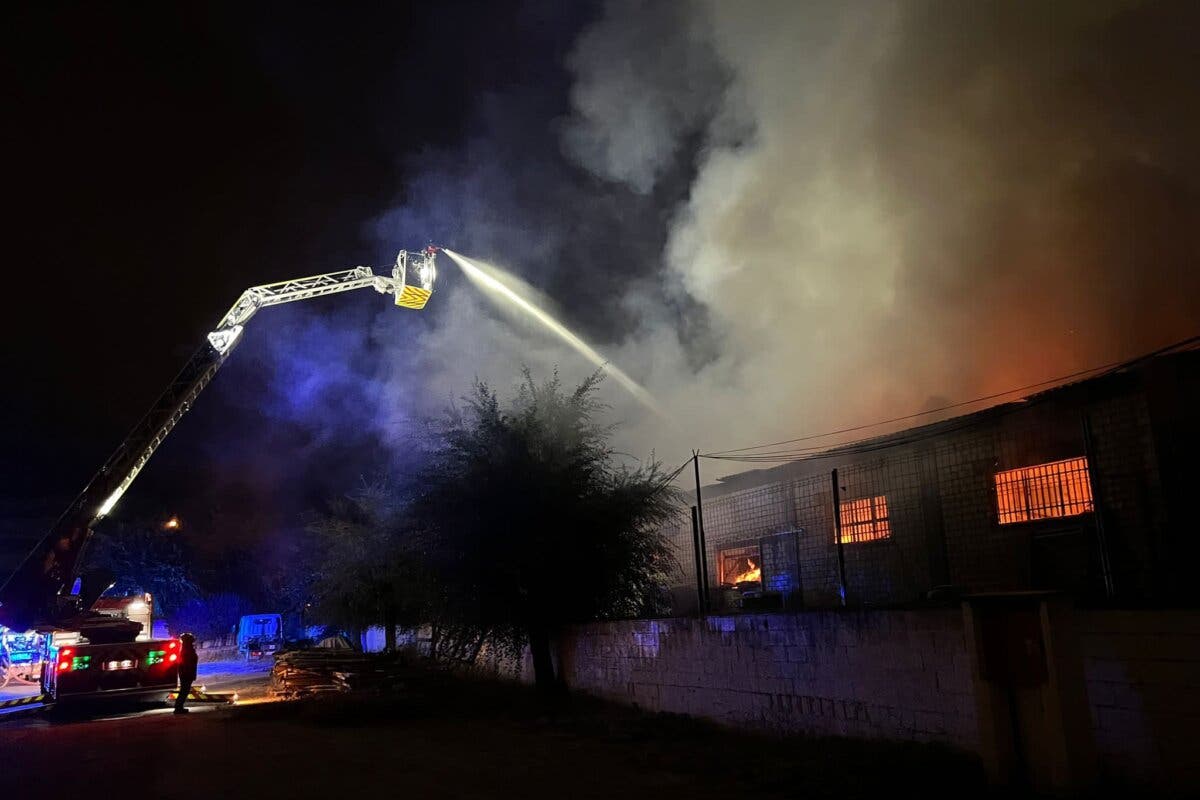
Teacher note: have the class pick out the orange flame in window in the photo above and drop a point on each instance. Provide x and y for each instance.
(752, 573)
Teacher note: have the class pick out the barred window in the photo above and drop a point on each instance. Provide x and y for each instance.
(1044, 491)
(739, 565)
(865, 520)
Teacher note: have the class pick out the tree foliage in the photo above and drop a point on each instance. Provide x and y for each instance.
(530, 522)
(366, 570)
(211, 615)
(143, 559)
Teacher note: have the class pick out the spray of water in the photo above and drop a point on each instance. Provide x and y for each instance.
(499, 290)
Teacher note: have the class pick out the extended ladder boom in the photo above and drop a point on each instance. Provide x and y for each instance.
(34, 593)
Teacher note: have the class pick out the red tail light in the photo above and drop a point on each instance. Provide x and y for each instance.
(64, 665)
(173, 644)
(67, 651)
(172, 658)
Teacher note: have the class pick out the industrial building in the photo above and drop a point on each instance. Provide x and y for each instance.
(1086, 487)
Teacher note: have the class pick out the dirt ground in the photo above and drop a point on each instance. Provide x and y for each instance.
(445, 737)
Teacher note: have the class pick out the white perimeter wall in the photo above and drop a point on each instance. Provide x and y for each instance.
(901, 675)
(886, 674)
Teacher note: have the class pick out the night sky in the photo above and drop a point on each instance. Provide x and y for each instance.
(781, 221)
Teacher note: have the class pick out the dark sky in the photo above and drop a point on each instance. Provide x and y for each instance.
(162, 157)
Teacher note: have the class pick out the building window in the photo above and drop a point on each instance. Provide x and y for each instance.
(739, 565)
(1044, 491)
(865, 520)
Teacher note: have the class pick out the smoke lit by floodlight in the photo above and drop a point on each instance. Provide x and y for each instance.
(497, 288)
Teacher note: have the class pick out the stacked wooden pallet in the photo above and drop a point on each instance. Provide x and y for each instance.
(298, 673)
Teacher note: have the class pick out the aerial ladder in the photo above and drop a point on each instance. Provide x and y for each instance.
(47, 592)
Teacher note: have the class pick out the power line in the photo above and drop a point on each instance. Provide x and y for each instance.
(790, 455)
(666, 480)
(861, 446)
(947, 407)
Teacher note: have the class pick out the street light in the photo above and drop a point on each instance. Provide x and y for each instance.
(172, 524)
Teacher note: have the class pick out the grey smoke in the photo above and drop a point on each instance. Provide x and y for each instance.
(844, 209)
(640, 89)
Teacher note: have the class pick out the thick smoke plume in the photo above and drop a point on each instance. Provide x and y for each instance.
(932, 199)
(865, 208)
(786, 217)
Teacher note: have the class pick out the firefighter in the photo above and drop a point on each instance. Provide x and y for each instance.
(188, 660)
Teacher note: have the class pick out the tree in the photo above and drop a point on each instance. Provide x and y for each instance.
(143, 559)
(530, 523)
(211, 615)
(366, 570)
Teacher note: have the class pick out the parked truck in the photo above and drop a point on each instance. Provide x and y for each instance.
(259, 635)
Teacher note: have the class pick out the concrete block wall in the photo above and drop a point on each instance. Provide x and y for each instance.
(215, 654)
(893, 570)
(981, 555)
(892, 674)
(901, 675)
(1126, 467)
(225, 641)
(1142, 670)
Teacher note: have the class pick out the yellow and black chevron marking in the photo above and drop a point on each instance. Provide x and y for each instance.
(195, 695)
(413, 297)
(24, 701)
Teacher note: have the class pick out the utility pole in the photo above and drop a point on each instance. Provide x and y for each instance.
(707, 604)
(1093, 471)
(837, 531)
(696, 551)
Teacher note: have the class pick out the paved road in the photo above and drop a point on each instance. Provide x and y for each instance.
(249, 680)
(17, 689)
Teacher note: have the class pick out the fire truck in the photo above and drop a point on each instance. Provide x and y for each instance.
(87, 666)
(90, 654)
